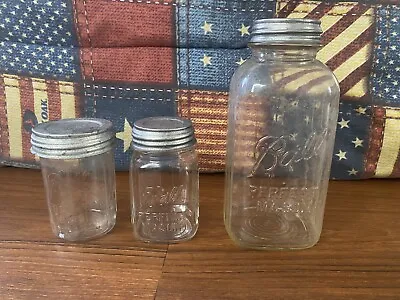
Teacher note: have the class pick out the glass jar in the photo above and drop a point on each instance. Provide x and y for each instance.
(77, 161)
(283, 109)
(164, 180)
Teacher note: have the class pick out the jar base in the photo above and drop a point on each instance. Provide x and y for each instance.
(75, 230)
(167, 238)
(273, 232)
(166, 241)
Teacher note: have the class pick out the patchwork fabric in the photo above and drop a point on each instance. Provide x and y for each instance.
(123, 105)
(212, 37)
(348, 38)
(128, 59)
(25, 102)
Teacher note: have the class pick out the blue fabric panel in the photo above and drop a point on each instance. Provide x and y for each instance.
(37, 38)
(352, 137)
(208, 69)
(385, 79)
(219, 24)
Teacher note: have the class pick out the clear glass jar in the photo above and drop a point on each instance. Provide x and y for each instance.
(283, 110)
(77, 162)
(164, 180)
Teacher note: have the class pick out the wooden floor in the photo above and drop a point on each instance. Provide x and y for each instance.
(358, 256)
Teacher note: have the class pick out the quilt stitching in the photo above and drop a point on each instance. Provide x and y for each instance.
(209, 7)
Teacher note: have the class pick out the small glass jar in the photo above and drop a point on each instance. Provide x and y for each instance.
(283, 108)
(77, 162)
(164, 180)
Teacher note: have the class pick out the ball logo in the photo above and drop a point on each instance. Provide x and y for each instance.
(271, 152)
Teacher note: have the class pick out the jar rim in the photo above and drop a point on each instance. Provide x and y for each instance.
(280, 31)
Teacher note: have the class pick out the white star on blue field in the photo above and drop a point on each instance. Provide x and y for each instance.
(37, 38)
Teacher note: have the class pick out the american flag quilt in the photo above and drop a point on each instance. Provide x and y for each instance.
(123, 60)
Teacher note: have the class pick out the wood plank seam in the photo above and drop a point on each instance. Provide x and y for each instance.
(161, 273)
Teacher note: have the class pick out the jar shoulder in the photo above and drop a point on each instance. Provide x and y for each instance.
(254, 74)
(184, 159)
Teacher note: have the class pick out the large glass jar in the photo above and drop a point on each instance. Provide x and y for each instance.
(164, 180)
(77, 161)
(283, 108)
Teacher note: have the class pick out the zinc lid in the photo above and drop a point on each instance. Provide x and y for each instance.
(72, 138)
(162, 133)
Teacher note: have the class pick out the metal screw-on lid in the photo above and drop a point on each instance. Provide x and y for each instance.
(304, 32)
(72, 138)
(162, 133)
